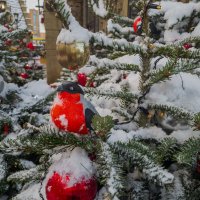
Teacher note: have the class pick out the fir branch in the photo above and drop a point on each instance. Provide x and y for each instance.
(110, 64)
(173, 111)
(115, 45)
(126, 96)
(190, 40)
(188, 152)
(166, 150)
(141, 156)
(38, 106)
(49, 139)
(125, 21)
(110, 172)
(121, 32)
(196, 121)
(174, 51)
(19, 33)
(27, 175)
(171, 68)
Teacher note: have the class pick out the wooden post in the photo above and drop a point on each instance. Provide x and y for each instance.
(53, 27)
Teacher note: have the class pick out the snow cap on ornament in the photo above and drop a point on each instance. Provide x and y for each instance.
(73, 48)
(71, 177)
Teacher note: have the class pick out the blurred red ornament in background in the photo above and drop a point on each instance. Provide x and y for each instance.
(187, 46)
(24, 75)
(30, 46)
(83, 79)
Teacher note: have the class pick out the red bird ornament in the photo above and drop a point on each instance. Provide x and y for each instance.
(71, 112)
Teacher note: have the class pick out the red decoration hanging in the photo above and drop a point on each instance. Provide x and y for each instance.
(6, 129)
(30, 46)
(83, 79)
(24, 75)
(137, 25)
(187, 46)
(28, 67)
(58, 188)
(8, 42)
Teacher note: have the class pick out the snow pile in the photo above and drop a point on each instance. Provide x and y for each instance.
(75, 164)
(175, 11)
(68, 37)
(99, 9)
(32, 92)
(76, 32)
(151, 133)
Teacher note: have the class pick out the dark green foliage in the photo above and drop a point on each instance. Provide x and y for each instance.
(188, 152)
(166, 151)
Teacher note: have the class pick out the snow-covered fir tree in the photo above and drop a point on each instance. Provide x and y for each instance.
(144, 135)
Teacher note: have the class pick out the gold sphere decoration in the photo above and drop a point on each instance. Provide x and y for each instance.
(72, 56)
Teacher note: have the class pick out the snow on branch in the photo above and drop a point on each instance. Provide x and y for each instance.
(110, 64)
(137, 153)
(100, 9)
(111, 172)
(77, 32)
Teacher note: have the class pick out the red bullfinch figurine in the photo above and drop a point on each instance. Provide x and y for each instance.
(71, 112)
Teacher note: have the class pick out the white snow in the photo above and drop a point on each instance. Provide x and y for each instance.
(63, 120)
(99, 9)
(151, 133)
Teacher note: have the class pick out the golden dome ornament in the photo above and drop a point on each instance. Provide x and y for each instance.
(73, 55)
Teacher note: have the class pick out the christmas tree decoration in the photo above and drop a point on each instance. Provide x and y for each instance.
(137, 25)
(30, 46)
(71, 112)
(24, 75)
(8, 42)
(72, 177)
(5, 126)
(2, 6)
(187, 46)
(28, 67)
(74, 55)
(83, 79)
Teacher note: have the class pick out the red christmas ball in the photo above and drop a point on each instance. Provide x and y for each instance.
(67, 113)
(30, 46)
(137, 25)
(24, 75)
(59, 188)
(82, 79)
(187, 46)
(8, 42)
(6, 129)
(28, 67)
(6, 26)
